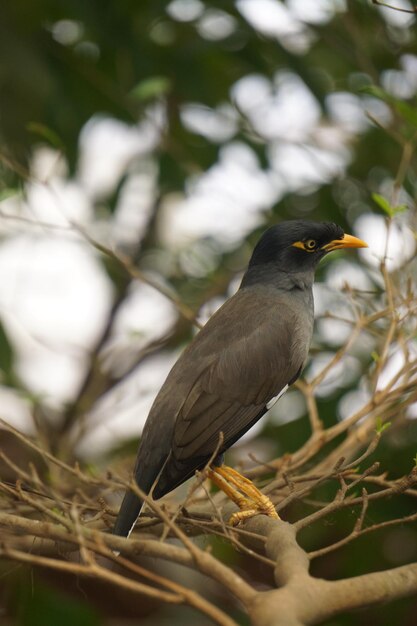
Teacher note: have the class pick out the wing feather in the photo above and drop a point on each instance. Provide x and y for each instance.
(248, 363)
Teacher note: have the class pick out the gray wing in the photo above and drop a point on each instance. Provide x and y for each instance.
(235, 366)
(256, 359)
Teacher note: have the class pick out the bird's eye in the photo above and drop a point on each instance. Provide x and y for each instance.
(310, 244)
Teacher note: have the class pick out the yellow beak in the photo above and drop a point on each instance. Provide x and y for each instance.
(348, 241)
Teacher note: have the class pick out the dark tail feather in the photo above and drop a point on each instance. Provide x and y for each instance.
(145, 476)
(128, 514)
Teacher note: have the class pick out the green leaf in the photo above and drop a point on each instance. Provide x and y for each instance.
(380, 427)
(151, 88)
(415, 460)
(91, 469)
(400, 208)
(6, 355)
(383, 204)
(45, 133)
(8, 192)
(373, 90)
(407, 112)
(57, 511)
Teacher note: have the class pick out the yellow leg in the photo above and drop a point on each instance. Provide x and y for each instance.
(234, 485)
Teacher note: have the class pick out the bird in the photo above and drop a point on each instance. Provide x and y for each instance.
(236, 367)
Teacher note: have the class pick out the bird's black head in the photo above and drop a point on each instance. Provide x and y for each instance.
(298, 245)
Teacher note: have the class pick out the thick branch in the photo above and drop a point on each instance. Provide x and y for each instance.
(281, 546)
(304, 600)
(362, 591)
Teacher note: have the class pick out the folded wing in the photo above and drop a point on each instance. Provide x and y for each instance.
(237, 367)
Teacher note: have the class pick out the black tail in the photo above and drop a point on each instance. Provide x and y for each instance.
(146, 473)
(128, 514)
(131, 507)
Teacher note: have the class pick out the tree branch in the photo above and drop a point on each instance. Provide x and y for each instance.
(361, 591)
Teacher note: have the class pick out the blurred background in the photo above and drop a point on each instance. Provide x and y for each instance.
(165, 137)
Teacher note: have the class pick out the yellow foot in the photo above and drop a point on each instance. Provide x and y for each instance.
(243, 493)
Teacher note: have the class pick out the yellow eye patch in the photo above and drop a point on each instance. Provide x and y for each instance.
(309, 245)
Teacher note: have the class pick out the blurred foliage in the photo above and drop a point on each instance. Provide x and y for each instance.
(43, 605)
(63, 63)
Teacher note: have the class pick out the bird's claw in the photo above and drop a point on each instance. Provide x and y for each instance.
(252, 508)
(244, 494)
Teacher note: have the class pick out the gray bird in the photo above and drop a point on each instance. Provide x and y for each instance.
(234, 370)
